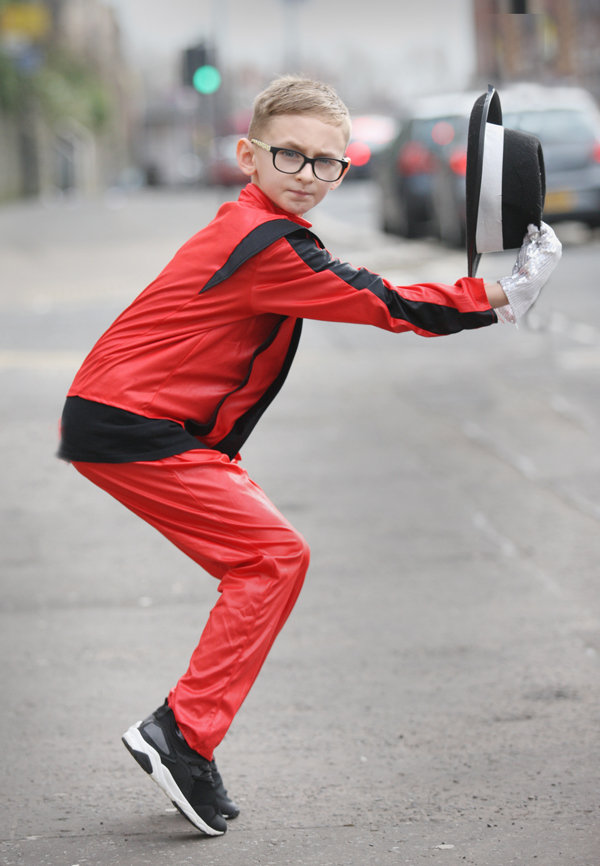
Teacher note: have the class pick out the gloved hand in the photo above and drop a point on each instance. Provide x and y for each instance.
(537, 258)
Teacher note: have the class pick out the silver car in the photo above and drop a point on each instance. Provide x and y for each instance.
(567, 122)
(432, 200)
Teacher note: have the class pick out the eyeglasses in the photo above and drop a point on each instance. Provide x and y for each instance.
(292, 161)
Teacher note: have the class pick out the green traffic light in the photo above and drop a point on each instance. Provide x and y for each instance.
(207, 79)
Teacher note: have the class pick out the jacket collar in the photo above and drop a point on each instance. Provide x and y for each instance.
(253, 196)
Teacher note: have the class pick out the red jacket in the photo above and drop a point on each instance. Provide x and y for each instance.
(209, 342)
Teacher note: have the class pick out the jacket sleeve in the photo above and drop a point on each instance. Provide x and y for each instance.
(296, 277)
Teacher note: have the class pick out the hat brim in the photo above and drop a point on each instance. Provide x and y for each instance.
(487, 109)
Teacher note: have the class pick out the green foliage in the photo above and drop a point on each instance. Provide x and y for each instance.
(62, 87)
(67, 88)
(14, 87)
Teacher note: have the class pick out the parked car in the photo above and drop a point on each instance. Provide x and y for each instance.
(370, 135)
(432, 140)
(422, 175)
(567, 122)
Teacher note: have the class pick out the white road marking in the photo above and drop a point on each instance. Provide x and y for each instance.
(511, 551)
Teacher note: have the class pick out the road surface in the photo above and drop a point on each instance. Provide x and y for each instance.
(434, 697)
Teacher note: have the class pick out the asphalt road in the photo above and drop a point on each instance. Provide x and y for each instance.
(435, 696)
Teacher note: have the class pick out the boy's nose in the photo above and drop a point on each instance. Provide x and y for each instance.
(306, 172)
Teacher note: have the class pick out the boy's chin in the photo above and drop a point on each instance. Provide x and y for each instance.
(296, 210)
(297, 207)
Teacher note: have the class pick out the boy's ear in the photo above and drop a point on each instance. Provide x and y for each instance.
(245, 156)
(338, 182)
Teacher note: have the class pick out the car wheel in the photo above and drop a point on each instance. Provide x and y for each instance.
(452, 232)
(387, 225)
(450, 223)
(399, 223)
(408, 224)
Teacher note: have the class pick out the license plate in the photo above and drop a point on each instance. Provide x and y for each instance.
(559, 201)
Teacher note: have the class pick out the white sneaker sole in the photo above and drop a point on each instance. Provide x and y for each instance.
(165, 781)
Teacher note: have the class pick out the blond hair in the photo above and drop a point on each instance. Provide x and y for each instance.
(292, 94)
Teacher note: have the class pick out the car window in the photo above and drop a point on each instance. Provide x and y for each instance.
(559, 126)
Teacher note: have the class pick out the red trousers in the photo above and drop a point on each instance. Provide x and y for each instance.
(210, 509)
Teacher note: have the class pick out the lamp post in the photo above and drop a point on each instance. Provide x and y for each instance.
(291, 35)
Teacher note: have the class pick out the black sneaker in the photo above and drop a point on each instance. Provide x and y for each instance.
(184, 775)
(228, 808)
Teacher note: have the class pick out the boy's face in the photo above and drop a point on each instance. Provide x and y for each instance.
(295, 193)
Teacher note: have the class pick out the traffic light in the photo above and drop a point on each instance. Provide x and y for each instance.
(192, 59)
(206, 79)
(199, 70)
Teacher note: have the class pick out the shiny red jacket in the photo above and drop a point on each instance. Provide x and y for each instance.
(208, 344)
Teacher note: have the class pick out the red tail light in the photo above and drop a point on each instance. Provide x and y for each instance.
(359, 152)
(458, 162)
(414, 158)
(596, 151)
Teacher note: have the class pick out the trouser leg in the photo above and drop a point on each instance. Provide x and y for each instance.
(209, 508)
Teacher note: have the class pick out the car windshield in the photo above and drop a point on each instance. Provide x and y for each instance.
(558, 126)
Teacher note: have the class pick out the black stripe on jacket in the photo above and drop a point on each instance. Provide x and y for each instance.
(436, 318)
(255, 242)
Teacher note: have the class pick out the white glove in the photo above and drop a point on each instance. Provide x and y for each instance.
(537, 258)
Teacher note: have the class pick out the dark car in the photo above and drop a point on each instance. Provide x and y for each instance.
(370, 135)
(431, 142)
(423, 185)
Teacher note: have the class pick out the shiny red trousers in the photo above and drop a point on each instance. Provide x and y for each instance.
(209, 508)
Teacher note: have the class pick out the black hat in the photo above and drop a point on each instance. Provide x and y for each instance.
(506, 182)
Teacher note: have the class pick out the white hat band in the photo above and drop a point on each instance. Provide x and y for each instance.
(488, 235)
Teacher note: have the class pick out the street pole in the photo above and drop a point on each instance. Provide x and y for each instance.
(291, 35)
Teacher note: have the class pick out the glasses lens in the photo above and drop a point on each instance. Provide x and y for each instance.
(328, 169)
(288, 161)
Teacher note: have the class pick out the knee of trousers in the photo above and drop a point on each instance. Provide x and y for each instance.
(291, 561)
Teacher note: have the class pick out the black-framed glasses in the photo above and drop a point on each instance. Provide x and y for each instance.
(288, 161)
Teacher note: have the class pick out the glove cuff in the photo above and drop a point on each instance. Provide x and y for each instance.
(506, 315)
(537, 258)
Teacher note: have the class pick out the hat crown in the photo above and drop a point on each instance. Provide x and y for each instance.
(505, 181)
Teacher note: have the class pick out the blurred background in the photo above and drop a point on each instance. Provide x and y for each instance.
(460, 476)
(101, 95)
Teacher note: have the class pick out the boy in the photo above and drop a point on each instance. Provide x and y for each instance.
(166, 398)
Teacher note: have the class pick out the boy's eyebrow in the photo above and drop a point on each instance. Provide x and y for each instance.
(293, 146)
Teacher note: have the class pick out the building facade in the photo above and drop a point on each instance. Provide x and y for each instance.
(65, 118)
(547, 41)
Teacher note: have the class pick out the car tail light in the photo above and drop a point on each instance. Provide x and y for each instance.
(415, 158)
(359, 152)
(596, 151)
(458, 162)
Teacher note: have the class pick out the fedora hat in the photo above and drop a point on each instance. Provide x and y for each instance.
(506, 182)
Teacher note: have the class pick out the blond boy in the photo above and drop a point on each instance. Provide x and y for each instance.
(163, 403)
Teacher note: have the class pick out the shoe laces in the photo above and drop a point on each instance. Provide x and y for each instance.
(200, 769)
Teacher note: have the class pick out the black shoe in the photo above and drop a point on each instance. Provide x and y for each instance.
(183, 774)
(228, 808)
